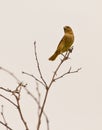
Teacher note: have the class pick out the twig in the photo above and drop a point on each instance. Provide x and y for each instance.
(17, 97)
(38, 65)
(18, 81)
(69, 72)
(7, 90)
(2, 114)
(33, 77)
(8, 100)
(42, 109)
(66, 56)
(39, 97)
(5, 125)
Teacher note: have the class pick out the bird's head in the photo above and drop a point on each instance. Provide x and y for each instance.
(67, 29)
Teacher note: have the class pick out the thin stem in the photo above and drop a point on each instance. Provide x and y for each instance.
(42, 109)
(8, 100)
(18, 81)
(2, 114)
(34, 78)
(38, 65)
(5, 125)
(36, 100)
(19, 108)
(69, 72)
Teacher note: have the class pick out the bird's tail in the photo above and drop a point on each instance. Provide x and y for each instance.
(53, 57)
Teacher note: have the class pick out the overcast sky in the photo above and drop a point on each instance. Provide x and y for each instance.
(74, 102)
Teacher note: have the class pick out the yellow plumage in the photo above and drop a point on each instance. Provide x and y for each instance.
(65, 43)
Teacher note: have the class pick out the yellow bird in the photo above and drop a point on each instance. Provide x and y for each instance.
(65, 43)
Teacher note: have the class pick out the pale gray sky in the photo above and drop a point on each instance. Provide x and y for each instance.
(75, 102)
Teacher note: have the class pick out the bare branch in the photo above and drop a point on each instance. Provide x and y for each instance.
(38, 65)
(5, 125)
(66, 56)
(16, 93)
(42, 109)
(7, 90)
(36, 100)
(8, 100)
(34, 78)
(39, 97)
(18, 81)
(17, 97)
(69, 72)
(2, 114)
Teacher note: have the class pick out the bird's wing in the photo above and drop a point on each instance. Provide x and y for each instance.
(61, 43)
